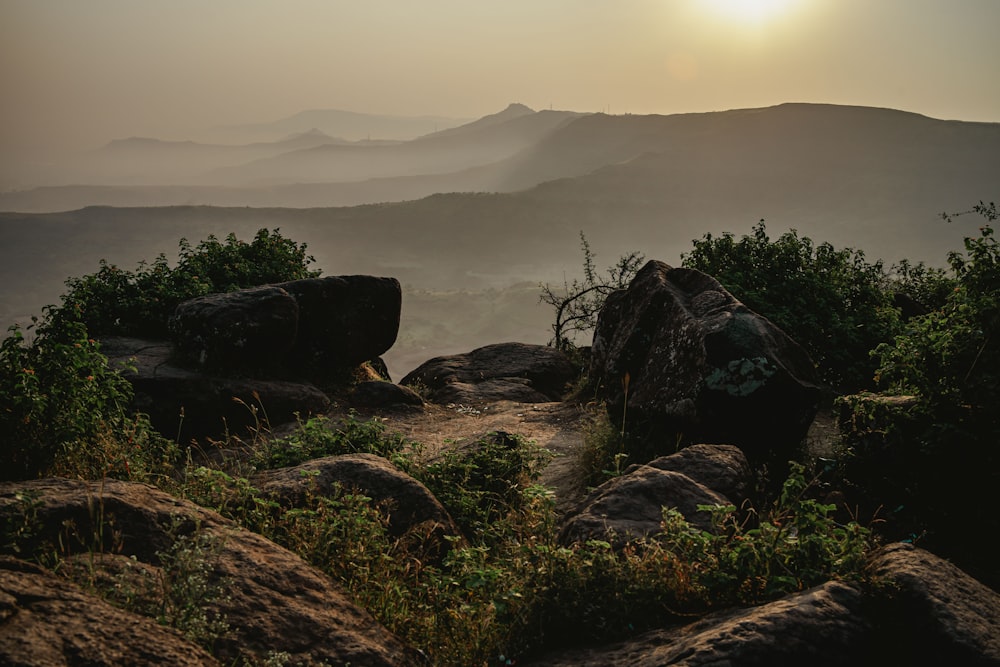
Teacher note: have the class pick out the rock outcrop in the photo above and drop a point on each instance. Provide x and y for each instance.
(930, 613)
(47, 620)
(676, 355)
(501, 372)
(315, 328)
(186, 404)
(411, 507)
(274, 601)
(630, 507)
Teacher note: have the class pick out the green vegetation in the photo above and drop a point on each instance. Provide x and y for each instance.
(833, 302)
(932, 459)
(118, 302)
(507, 586)
(65, 411)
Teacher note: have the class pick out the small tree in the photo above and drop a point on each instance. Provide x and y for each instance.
(579, 302)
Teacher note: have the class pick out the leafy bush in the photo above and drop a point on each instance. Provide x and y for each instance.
(940, 444)
(114, 301)
(318, 437)
(834, 303)
(65, 411)
(485, 481)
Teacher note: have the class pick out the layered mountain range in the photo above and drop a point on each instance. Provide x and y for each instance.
(503, 200)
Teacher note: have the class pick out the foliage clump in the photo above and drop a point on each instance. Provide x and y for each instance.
(930, 456)
(65, 410)
(833, 302)
(115, 301)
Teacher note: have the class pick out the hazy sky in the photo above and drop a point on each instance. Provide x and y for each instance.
(87, 71)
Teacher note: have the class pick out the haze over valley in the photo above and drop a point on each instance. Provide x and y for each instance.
(499, 136)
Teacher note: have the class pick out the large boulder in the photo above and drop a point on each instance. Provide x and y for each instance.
(249, 331)
(630, 507)
(47, 620)
(185, 404)
(941, 613)
(411, 507)
(677, 356)
(273, 601)
(503, 371)
(343, 321)
(315, 328)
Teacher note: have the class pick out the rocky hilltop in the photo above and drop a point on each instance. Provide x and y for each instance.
(714, 391)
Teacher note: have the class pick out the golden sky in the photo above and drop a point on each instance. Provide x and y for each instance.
(82, 72)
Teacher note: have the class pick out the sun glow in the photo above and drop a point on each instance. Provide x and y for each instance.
(751, 11)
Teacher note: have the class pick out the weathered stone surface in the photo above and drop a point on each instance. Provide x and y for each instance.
(274, 600)
(504, 371)
(630, 506)
(925, 612)
(211, 404)
(411, 506)
(247, 332)
(821, 627)
(950, 617)
(690, 359)
(722, 468)
(384, 395)
(343, 321)
(316, 328)
(46, 620)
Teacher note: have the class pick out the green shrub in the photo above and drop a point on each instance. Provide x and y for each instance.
(933, 460)
(115, 301)
(834, 303)
(65, 411)
(318, 437)
(482, 483)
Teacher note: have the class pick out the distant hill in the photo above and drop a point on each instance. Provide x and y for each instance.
(334, 122)
(874, 179)
(518, 149)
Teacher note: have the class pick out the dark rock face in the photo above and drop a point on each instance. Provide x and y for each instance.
(343, 321)
(630, 506)
(210, 404)
(384, 395)
(249, 331)
(685, 357)
(312, 328)
(722, 468)
(412, 507)
(821, 627)
(504, 371)
(274, 600)
(47, 620)
(941, 614)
